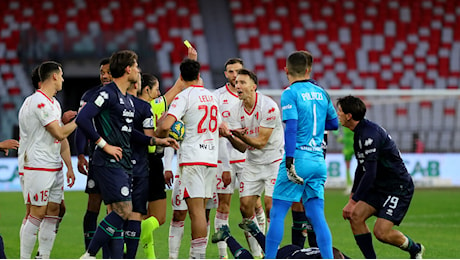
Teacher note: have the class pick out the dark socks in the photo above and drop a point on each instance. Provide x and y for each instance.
(364, 241)
(131, 236)
(299, 222)
(89, 226)
(105, 231)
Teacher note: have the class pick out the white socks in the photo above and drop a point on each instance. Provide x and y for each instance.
(28, 236)
(220, 220)
(47, 235)
(176, 232)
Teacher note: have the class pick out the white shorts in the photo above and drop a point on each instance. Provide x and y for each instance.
(256, 178)
(41, 187)
(236, 170)
(208, 176)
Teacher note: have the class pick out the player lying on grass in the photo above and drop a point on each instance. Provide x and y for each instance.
(287, 252)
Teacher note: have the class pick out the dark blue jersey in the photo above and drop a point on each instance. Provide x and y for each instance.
(380, 165)
(113, 115)
(80, 139)
(143, 119)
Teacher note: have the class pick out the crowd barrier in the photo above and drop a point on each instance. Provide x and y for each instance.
(430, 170)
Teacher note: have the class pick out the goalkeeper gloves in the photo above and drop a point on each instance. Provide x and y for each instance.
(291, 173)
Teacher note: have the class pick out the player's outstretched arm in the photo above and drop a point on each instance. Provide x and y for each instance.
(61, 132)
(166, 142)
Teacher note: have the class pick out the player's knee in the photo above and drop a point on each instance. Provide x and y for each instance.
(381, 234)
(357, 218)
(94, 202)
(245, 210)
(223, 207)
(179, 215)
(161, 219)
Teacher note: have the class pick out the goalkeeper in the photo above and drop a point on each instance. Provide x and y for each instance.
(307, 112)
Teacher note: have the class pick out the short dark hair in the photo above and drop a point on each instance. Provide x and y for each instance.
(189, 69)
(251, 75)
(233, 61)
(35, 77)
(352, 105)
(47, 69)
(104, 61)
(148, 80)
(120, 60)
(298, 62)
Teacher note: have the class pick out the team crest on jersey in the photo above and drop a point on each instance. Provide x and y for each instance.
(41, 105)
(158, 100)
(101, 98)
(271, 110)
(257, 115)
(242, 118)
(225, 102)
(44, 114)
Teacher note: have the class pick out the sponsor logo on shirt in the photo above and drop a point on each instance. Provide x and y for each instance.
(368, 142)
(128, 113)
(208, 145)
(287, 107)
(373, 150)
(226, 114)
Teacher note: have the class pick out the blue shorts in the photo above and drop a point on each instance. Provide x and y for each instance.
(314, 174)
(115, 184)
(140, 192)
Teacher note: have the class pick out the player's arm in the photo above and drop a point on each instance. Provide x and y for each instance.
(66, 157)
(164, 124)
(85, 123)
(80, 144)
(8, 144)
(257, 142)
(179, 84)
(174, 90)
(224, 152)
(168, 174)
(237, 143)
(60, 132)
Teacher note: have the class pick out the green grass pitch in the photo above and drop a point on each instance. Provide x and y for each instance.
(433, 219)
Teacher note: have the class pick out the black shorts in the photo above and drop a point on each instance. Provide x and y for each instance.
(92, 186)
(115, 184)
(156, 178)
(390, 206)
(140, 191)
